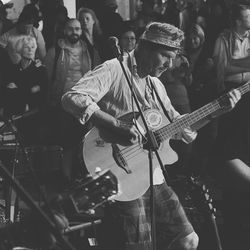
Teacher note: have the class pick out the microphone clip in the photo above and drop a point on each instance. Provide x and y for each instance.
(116, 50)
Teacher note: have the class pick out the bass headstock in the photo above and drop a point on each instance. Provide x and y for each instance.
(89, 194)
(201, 195)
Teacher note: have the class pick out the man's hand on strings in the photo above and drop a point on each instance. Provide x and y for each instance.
(129, 133)
(113, 130)
(227, 102)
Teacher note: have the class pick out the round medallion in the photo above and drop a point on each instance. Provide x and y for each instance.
(153, 118)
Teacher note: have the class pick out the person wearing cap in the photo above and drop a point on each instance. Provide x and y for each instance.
(101, 97)
(25, 26)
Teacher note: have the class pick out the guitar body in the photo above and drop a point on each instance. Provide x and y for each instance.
(133, 174)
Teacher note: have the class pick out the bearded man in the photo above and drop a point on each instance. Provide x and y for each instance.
(66, 64)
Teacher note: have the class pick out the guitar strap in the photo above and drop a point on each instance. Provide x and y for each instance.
(159, 100)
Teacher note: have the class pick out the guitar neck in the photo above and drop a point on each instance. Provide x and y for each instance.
(171, 129)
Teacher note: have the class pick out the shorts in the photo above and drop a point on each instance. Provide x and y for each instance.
(126, 225)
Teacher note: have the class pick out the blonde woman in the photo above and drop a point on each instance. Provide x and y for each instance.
(92, 35)
(27, 81)
(25, 85)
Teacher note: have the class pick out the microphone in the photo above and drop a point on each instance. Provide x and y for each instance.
(113, 41)
(24, 115)
(14, 118)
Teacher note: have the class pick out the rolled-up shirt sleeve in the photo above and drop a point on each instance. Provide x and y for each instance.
(80, 106)
(81, 101)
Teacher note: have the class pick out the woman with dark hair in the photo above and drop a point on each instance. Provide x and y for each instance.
(61, 19)
(92, 35)
(218, 19)
(201, 90)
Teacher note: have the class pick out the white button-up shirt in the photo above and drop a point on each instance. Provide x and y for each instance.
(106, 88)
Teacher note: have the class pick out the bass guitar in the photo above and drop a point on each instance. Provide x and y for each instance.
(130, 163)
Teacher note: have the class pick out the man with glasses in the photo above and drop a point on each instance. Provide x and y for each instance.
(127, 39)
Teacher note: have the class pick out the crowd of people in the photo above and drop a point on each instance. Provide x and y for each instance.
(180, 55)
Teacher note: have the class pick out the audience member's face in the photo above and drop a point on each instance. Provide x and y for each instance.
(128, 41)
(73, 31)
(245, 19)
(29, 50)
(87, 21)
(156, 62)
(194, 41)
(181, 4)
(138, 5)
(200, 20)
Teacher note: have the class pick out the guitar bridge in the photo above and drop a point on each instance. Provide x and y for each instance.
(119, 159)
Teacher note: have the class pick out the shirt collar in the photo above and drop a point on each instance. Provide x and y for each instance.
(241, 38)
(132, 64)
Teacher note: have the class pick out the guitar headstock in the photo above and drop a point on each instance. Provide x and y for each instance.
(89, 194)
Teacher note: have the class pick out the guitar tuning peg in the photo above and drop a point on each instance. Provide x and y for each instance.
(111, 201)
(210, 206)
(207, 197)
(91, 211)
(98, 170)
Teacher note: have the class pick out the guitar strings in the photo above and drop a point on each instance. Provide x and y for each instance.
(159, 136)
(130, 148)
(132, 154)
(127, 152)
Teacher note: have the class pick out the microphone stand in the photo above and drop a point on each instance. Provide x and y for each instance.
(29, 201)
(153, 146)
(19, 189)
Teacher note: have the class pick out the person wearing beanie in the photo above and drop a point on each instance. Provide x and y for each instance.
(100, 97)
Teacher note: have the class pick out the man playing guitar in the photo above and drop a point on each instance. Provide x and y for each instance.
(101, 97)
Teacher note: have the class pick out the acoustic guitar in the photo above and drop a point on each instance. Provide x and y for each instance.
(130, 163)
